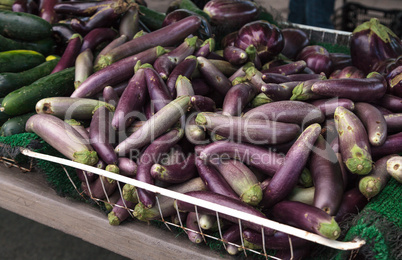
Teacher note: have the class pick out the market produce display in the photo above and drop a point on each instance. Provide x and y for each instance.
(210, 100)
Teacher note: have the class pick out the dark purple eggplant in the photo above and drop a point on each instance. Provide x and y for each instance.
(328, 105)
(215, 78)
(116, 73)
(83, 67)
(113, 44)
(394, 122)
(166, 36)
(394, 167)
(372, 42)
(224, 201)
(386, 66)
(390, 102)
(184, 68)
(110, 96)
(20, 6)
(303, 92)
(294, 41)
(205, 48)
(340, 60)
(61, 33)
(155, 126)
(200, 87)
(373, 121)
(80, 8)
(351, 72)
(231, 14)
(306, 217)
(278, 241)
(266, 37)
(69, 108)
(260, 158)
(288, 111)
(129, 22)
(157, 89)
(126, 109)
(167, 203)
(62, 137)
(96, 37)
(248, 130)
(317, 58)
(235, 55)
(287, 176)
(394, 79)
(363, 90)
(305, 77)
(213, 179)
(47, 11)
(287, 69)
(101, 188)
(193, 231)
(327, 177)
(175, 173)
(194, 133)
(232, 235)
(353, 201)
(120, 212)
(275, 78)
(353, 142)
(237, 98)
(393, 144)
(71, 52)
(229, 39)
(102, 136)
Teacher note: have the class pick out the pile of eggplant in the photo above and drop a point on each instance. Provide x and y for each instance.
(261, 120)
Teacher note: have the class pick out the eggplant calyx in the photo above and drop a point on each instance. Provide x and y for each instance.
(253, 195)
(113, 219)
(369, 186)
(375, 27)
(141, 212)
(86, 157)
(330, 230)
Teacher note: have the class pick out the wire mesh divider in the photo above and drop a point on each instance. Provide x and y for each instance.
(219, 209)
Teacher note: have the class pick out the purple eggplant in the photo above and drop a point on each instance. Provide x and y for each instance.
(167, 203)
(47, 11)
(340, 60)
(287, 69)
(127, 166)
(129, 22)
(235, 55)
(266, 37)
(215, 78)
(275, 78)
(102, 136)
(83, 67)
(353, 142)
(394, 167)
(287, 176)
(71, 52)
(373, 121)
(237, 98)
(394, 79)
(328, 105)
(303, 92)
(20, 6)
(213, 179)
(327, 177)
(113, 44)
(305, 77)
(120, 212)
(351, 72)
(193, 231)
(202, 103)
(80, 8)
(116, 73)
(294, 41)
(205, 48)
(97, 36)
(364, 90)
(317, 58)
(393, 144)
(62, 137)
(353, 201)
(157, 89)
(166, 36)
(184, 87)
(175, 173)
(184, 68)
(288, 111)
(390, 102)
(394, 122)
(79, 128)
(194, 133)
(371, 43)
(248, 130)
(306, 217)
(110, 96)
(200, 87)
(232, 235)
(101, 188)
(224, 201)
(278, 241)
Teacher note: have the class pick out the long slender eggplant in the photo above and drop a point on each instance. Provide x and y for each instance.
(79, 128)
(149, 157)
(393, 144)
(101, 188)
(71, 52)
(83, 67)
(394, 122)
(166, 203)
(166, 63)
(373, 121)
(96, 37)
(116, 73)
(287, 176)
(235, 55)
(157, 89)
(62, 137)
(120, 212)
(69, 108)
(127, 166)
(242, 180)
(47, 11)
(232, 235)
(175, 173)
(213, 180)
(87, 8)
(129, 22)
(110, 96)
(390, 102)
(205, 48)
(166, 36)
(353, 201)
(184, 87)
(102, 136)
(278, 241)
(306, 217)
(131, 100)
(374, 182)
(248, 130)
(274, 78)
(394, 167)
(305, 77)
(237, 98)
(287, 111)
(353, 142)
(287, 69)
(193, 231)
(224, 201)
(327, 177)
(185, 68)
(213, 76)
(328, 105)
(260, 158)
(294, 41)
(202, 103)
(364, 90)
(113, 44)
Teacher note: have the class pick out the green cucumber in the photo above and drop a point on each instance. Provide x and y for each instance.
(15, 125)
(191, 6)
(151, 18)
(24, 26)
(19, 60)
(10, 81)
(23, 100)
(45, 46)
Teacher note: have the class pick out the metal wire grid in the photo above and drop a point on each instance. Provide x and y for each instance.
(241, 216)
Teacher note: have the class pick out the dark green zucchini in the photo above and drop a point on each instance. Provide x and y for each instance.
(23, 100)
(15, 125)
(10, 81)
(19, 60)
(151, 18)
(45, 46)
(24, 26)
(3, 116)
